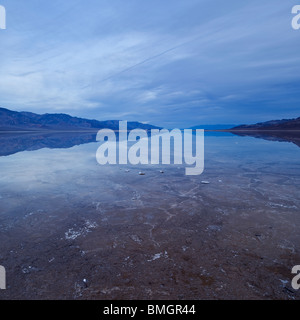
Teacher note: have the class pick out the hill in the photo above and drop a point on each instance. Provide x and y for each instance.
(277, 125)
(27, 121)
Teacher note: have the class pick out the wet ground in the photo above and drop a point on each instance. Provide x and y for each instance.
(71, 229)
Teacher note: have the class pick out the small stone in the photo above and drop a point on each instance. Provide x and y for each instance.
(142, 173)
(205, 182)
(85, 283)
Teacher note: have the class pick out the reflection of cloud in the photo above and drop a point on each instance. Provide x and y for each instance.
(148, 59)
(46, 168)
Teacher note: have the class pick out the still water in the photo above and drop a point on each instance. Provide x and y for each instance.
(72, 229)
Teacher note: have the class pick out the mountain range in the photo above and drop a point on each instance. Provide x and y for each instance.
(213, 127)
(287, 130)
(276, 125)
(28, 121)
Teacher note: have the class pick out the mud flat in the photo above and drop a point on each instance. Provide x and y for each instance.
(109, 233)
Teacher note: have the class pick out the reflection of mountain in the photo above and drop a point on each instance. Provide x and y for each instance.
(284, 136)
(13, 143)
(287, 130)
(27, 121)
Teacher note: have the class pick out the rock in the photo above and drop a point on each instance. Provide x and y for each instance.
(85, 283)
(161, 171)
(205, 182)
(142, 173)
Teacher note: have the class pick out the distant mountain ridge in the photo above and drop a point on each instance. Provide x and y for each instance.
(285, 124)
(213, 126)
(28, 121)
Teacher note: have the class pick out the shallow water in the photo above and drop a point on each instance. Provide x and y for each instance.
(64, 218)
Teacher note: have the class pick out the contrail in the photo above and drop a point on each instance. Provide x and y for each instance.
(144, 61)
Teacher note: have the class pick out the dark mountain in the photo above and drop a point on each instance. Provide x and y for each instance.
(287, 130)
(213, 126)
(285, 124)
(27, 121)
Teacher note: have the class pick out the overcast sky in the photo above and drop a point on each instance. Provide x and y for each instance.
(173, 63)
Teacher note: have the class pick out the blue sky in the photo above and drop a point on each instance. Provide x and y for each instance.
(167, 62)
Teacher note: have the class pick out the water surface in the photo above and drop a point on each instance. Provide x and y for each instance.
(64, 218)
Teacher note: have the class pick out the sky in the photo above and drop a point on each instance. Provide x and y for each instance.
(171, 63)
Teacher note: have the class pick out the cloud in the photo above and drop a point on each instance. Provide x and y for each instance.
(164, 62)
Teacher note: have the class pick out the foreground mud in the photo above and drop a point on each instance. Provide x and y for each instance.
(117, 235)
